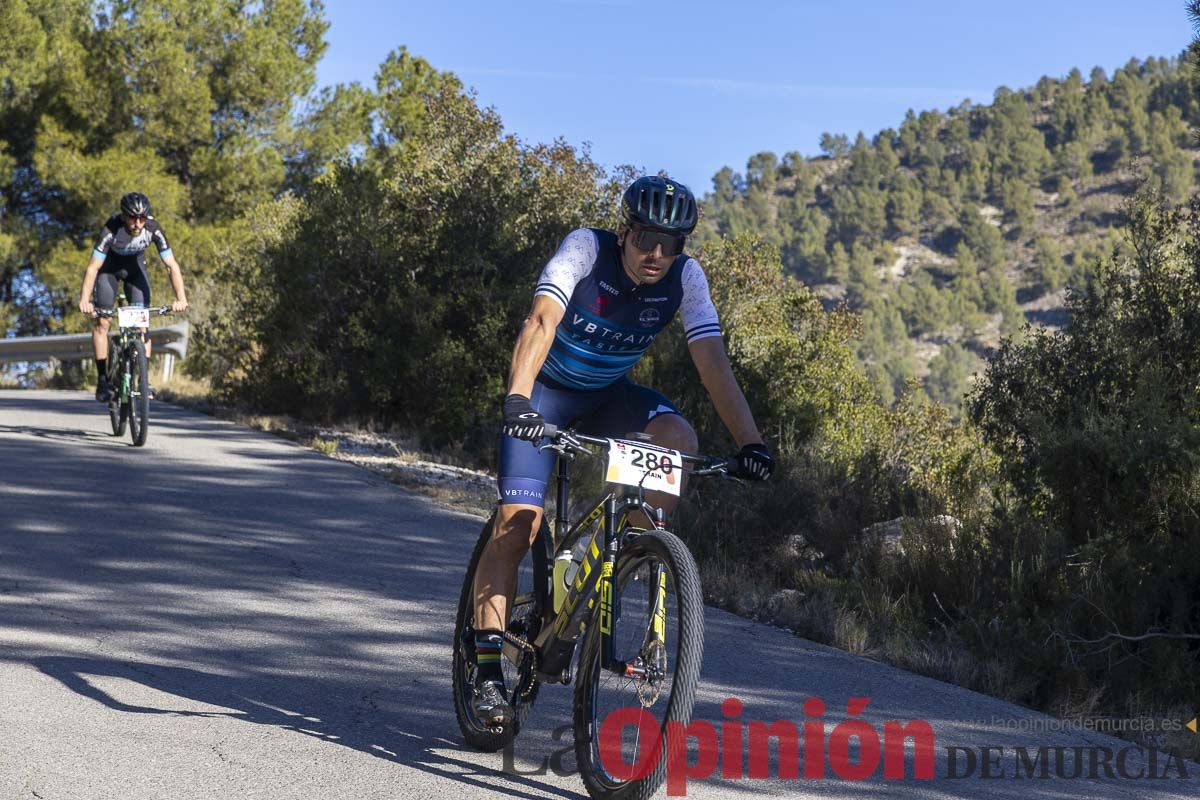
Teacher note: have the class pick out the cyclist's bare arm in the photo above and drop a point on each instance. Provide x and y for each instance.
(176, 274)
(533, 344)
(89, 283)
(712, 363)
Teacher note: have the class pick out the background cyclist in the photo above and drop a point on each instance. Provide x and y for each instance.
(120, 255)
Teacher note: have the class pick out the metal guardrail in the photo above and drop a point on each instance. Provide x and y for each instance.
(170, 340)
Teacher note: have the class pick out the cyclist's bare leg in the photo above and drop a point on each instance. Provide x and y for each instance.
(100, 337)
(496, 576)
(673, 431)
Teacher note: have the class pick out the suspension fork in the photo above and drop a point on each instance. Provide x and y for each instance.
(615, 512)
(658, 580)
(658, 612)
(126, 370)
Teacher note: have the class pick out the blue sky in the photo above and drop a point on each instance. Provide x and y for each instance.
(690, 87)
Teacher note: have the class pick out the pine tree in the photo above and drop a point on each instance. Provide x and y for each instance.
(981, 237)
(1050, 271)
(904, 205)
(1017, 201)
(835, 146)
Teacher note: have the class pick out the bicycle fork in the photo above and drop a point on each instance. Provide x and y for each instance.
(125, 378)
(608, 588)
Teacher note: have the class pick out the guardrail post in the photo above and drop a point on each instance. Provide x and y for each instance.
(168, 366)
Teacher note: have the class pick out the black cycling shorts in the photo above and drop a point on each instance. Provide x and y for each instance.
(137, 288)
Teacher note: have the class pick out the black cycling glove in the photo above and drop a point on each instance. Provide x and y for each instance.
(754, 462)
(521, 420)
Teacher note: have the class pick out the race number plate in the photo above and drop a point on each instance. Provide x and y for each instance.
(133, 317)
(639, 464)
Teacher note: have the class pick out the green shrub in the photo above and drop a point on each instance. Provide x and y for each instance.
(1099, 428)
(401, 292)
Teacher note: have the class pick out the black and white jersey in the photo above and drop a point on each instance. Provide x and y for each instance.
(117, 247)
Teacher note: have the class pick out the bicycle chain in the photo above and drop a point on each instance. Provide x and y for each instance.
(517, 641)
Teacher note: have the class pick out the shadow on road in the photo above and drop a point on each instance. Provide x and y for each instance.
(288, 589)
(75, 436)
(313, 711)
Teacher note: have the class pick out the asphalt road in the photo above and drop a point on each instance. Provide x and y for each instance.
(222, 614)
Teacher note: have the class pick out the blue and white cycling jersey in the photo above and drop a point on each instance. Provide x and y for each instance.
(610, 321)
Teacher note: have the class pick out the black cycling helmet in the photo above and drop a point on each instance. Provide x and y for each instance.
(135, 204)
(660, 203)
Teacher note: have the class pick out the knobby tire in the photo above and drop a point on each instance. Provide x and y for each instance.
(683, 660)
(139, 394)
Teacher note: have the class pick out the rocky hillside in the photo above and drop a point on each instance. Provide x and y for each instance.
(959, 227)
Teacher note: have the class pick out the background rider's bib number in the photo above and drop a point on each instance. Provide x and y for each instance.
(637, 464)
(133, 317)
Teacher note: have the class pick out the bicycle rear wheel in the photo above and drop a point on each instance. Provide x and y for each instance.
(628, 762)
(139, 394)
(518, 665)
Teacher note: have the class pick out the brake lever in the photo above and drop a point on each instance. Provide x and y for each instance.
(558, 447)
(566, 446)
(721, 468)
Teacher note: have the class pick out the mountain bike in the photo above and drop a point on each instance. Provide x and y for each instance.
(128, 370)
(626, 598)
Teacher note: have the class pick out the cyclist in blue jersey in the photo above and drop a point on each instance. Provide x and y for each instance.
(120, 255)
(600, 302)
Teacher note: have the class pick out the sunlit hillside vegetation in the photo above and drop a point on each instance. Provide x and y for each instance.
(958, 227)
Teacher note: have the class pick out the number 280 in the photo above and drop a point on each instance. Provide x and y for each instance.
(651, 461)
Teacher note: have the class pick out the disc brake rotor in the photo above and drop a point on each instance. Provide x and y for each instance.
(654, 658)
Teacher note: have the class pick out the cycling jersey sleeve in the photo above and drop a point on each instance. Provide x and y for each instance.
(105, 242)
(575, 259)
(696, 310)
(158, 237)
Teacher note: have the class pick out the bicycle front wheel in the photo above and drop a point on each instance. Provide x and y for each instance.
(139, 394)
(118, 414)
(118, 401)
(658, 629)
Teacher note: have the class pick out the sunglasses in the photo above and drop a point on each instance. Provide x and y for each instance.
(643, 239)
(133, 219)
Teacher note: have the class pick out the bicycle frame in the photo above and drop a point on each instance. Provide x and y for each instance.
(561, 632)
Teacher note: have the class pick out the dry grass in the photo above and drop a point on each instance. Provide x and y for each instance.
(181, 389)
(325, 446)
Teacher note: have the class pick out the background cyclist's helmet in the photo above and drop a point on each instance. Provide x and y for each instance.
(661, 203)
(135, 204)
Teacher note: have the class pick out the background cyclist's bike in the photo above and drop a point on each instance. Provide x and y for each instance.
(630, 597)
(128, 370)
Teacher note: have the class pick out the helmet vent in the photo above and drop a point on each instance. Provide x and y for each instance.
(661, 203)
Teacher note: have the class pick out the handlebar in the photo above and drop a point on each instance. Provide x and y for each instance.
(110, 312)
(571, 441)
